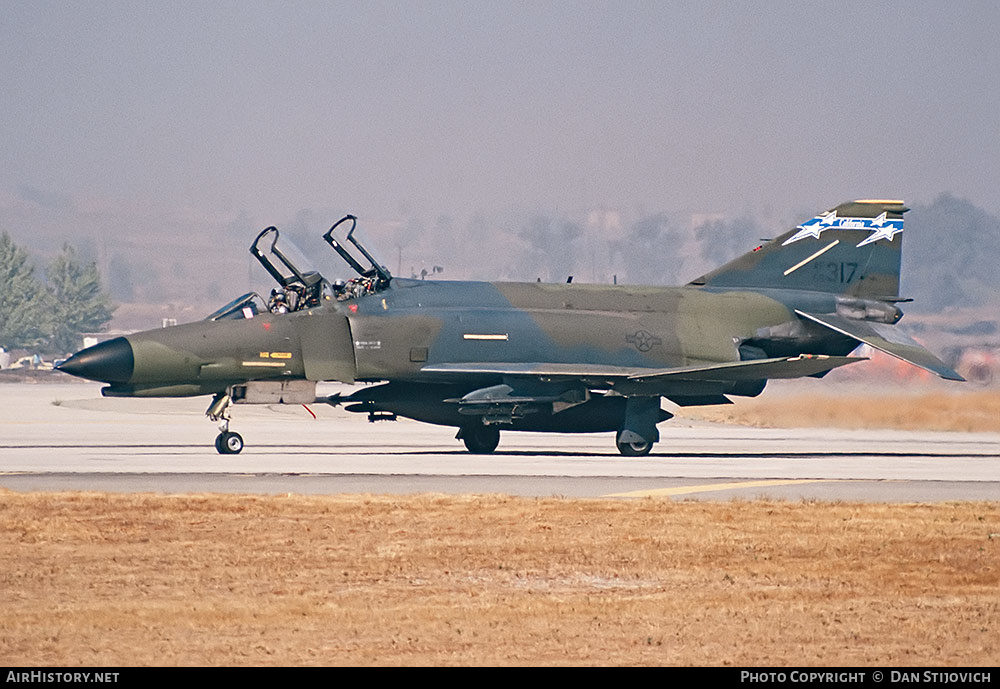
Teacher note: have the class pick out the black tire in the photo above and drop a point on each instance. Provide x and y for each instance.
(632, 449)
(481, 440)
(229, 443)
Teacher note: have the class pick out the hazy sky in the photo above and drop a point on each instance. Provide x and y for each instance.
(381, 108)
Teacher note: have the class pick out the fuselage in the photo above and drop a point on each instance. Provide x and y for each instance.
(399, 332)
(416, 324)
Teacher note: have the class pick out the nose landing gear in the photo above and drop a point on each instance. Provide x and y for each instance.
(227, 442)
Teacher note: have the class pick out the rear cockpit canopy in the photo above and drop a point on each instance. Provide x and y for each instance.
(372, 276)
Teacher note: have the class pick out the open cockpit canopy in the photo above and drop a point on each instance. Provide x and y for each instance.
(297, 288)
(372, 276)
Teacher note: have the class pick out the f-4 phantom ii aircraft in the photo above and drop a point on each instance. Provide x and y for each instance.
(486, 357)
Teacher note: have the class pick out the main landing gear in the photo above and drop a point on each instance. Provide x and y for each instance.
(479, 439)
(632, 449)
(227, 442)
(638, 433)
(483, 440)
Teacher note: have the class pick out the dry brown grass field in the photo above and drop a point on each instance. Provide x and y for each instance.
(957, 409)
(108, 579)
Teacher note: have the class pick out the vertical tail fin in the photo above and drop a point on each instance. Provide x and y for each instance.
(853, 249)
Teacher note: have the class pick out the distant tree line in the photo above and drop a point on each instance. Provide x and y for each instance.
(49, 315)
(949, 261)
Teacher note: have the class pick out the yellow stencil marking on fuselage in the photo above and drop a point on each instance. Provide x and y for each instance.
(709, 487)
(269, 364)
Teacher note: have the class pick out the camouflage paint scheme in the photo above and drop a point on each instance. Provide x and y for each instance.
(550, 357)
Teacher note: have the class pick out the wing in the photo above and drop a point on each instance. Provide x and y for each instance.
(734, 371)
(505, 393)
(542, 382)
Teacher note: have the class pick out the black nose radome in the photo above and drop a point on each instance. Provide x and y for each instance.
(110, 362)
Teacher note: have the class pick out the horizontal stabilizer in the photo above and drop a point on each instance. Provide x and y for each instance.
(886, 339)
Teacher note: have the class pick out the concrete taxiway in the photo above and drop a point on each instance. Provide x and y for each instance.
(67, 437)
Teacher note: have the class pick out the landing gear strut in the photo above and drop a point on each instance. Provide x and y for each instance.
(227, 442)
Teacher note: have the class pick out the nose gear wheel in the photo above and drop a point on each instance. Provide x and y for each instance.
(229, 443)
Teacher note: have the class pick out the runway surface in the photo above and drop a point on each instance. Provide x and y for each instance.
(67, 437)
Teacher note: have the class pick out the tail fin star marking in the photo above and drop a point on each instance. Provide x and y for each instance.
(813, 228)
(887, 231)
(880, 227)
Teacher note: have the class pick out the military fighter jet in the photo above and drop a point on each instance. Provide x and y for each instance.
(566, 358)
